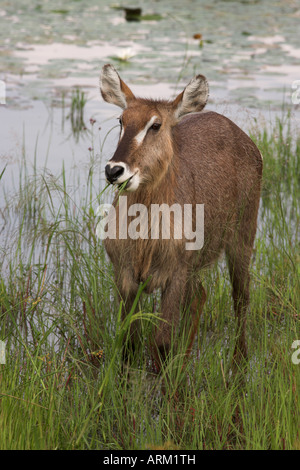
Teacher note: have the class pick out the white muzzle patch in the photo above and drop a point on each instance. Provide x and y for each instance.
(132, 177)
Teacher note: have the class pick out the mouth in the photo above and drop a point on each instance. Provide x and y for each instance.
(131, 184)
(125, 184)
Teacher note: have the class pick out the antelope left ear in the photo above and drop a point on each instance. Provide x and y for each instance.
(113, 89)
(193, 98)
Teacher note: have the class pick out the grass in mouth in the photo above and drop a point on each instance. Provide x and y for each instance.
(122, 186)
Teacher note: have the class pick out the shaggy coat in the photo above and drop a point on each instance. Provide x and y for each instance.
(171, 153)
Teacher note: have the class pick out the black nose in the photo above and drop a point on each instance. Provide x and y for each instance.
(112, 173)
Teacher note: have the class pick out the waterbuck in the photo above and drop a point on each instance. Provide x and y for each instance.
(171, 153)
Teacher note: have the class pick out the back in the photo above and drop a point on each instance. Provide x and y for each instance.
(220, 167)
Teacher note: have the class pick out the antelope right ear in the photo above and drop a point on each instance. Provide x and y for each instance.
(113, 89)
(193, 98)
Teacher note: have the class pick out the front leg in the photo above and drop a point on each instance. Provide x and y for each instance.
(172, 302)
(131, 339)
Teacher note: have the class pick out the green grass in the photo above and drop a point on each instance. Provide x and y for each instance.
(62, 386)
(78, 102)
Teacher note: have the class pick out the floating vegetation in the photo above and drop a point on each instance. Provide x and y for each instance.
(100, 28)
(135, 14)
(151, 17)
(60, 11)
(125, 55)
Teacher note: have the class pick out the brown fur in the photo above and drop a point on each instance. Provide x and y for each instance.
(202, 159)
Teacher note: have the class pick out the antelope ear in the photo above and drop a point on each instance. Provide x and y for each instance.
(193, 98)
(113, 89)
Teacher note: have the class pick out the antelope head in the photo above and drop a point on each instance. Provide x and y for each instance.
(146, 142)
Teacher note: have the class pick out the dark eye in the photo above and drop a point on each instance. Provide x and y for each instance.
(155, 126)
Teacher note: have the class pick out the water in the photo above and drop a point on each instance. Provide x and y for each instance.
(249, 51)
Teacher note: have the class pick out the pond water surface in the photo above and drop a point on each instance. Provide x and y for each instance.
(248, 50)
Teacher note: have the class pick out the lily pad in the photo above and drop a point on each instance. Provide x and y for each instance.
(153, 17)
(60, 11)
